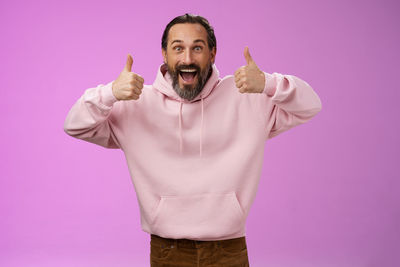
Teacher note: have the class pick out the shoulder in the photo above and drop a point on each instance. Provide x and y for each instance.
(227, 81)
(227, 85)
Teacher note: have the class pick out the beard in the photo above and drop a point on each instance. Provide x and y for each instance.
(189, 92)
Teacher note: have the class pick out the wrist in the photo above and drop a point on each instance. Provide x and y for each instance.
(113, 91)
(270, 85)
(108, 94)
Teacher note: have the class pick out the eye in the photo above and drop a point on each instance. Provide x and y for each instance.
(178, 48)
(198, 48)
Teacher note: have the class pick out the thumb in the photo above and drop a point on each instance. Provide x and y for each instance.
(129, 62)
(247, 56)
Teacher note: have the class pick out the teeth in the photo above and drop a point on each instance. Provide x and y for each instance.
(188, 70)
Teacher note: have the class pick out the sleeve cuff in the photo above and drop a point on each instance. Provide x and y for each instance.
(108, 97)
(270, 85)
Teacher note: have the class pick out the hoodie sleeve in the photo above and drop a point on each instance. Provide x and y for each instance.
(290, 101)
(89, 118)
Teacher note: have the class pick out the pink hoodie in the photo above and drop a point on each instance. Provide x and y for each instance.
(195, 165)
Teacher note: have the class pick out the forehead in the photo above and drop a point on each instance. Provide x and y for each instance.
(187, 32)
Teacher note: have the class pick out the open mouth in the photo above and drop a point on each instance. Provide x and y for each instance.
(188, 75)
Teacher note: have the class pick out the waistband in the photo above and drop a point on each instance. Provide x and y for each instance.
(189, 243)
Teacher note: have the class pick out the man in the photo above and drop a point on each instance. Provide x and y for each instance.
(194, 142)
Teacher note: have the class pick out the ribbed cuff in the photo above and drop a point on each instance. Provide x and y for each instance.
(108, 97)
(270, 85)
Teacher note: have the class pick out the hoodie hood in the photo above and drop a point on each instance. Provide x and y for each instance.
(163, 84)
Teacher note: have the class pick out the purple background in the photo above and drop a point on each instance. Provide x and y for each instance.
(329, 191)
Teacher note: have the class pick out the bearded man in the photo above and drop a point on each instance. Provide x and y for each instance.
(194, 142)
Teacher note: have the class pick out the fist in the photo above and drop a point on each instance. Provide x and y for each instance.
(128, 85)
(249, 78)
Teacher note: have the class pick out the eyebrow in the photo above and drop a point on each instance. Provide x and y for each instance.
(195, 41)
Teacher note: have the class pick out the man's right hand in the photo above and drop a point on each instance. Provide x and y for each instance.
(128, 85)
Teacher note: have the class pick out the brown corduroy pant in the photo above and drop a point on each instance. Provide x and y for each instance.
(168, 252)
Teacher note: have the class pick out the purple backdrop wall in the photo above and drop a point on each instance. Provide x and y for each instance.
(329, 191)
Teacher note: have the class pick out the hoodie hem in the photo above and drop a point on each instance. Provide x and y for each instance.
(241, 233)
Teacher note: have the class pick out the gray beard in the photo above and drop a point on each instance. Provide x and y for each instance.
(187, 92)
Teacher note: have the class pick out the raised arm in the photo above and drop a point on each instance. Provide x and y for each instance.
(88, 119)
(91, 117)
(288, 101)
(292, 102)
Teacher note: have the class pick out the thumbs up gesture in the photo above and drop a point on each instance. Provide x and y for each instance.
(249, 78)
(128, 85)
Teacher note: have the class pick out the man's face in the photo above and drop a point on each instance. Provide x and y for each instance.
(188, 58)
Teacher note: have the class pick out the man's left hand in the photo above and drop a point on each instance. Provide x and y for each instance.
(249, 78)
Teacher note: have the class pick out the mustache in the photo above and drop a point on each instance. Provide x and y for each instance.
(190, 66)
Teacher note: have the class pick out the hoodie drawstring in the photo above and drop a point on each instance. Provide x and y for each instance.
(180, 126)
(201, 128)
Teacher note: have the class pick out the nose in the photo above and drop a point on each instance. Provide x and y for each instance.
(188, 58)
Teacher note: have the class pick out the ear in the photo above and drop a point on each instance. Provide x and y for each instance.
(213, 54)
(164, 54)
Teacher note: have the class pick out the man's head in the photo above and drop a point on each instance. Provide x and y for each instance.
(189, 48)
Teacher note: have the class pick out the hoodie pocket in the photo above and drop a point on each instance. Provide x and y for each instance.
(199, 216)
